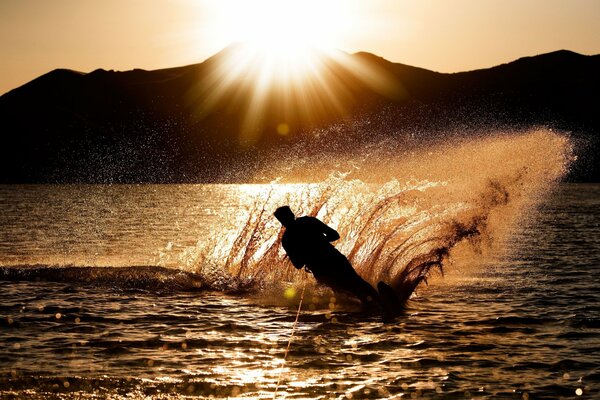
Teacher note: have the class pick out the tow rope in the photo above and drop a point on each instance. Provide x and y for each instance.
(287, 350)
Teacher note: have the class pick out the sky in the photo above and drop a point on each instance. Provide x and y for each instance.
(37, 36)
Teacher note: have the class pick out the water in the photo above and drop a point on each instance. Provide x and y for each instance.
(132, 291)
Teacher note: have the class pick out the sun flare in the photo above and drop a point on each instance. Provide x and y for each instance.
(281, 37)
(284, 70)
(282, 27)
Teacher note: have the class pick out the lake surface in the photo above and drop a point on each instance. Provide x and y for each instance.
(523, 324)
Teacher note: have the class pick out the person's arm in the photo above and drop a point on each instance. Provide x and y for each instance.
(330, 234)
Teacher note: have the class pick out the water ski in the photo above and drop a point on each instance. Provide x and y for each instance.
(390, 303)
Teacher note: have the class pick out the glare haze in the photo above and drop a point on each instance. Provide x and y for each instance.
(38, 36)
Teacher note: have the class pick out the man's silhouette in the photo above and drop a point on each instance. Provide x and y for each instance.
(306, 241)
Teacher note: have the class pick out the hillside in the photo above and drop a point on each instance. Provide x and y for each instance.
(198, 123)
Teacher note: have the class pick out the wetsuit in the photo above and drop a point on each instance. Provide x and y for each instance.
(306, 241)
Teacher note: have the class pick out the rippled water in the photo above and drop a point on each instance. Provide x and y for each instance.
(524, 326)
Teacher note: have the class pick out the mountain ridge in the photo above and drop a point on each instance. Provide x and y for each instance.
(359, 53)
(70, 126)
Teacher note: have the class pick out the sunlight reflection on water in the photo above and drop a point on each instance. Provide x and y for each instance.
(523, 324)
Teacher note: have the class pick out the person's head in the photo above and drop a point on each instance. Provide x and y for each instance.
(285, 215)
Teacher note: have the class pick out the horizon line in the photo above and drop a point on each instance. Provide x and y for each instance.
(330, 50)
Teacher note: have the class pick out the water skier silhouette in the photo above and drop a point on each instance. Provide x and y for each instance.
(307, 242)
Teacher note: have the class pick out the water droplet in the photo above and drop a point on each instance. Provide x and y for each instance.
(579, 391)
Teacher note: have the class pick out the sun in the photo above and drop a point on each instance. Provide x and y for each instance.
(285, 71)
(282, 27)
(281, 37)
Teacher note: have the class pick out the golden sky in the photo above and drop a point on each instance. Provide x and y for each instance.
(37, 36)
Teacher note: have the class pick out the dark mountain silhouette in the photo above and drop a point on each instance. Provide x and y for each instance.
(201, 123)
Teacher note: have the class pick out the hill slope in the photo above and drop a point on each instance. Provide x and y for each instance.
(196, 123)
